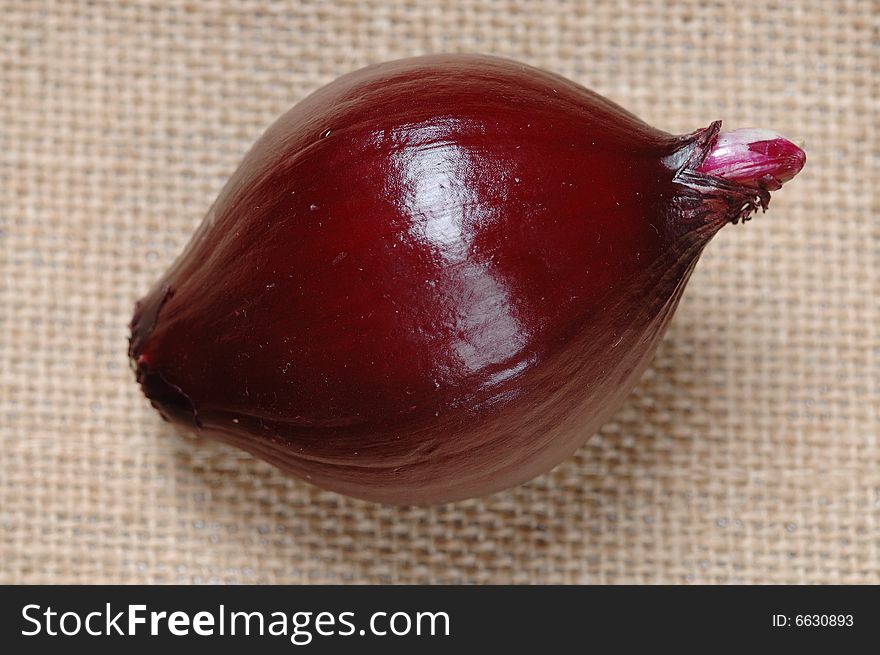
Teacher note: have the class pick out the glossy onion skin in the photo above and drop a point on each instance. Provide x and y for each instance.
(430, 280)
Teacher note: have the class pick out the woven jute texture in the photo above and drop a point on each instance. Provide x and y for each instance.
(750, 452)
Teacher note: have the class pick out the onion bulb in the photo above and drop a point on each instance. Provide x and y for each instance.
(435, 278)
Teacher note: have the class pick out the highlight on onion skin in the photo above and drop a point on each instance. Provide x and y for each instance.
(435, 278)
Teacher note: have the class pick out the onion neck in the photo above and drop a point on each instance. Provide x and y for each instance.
(725, 177)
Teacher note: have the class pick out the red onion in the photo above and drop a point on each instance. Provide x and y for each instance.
(435, 278)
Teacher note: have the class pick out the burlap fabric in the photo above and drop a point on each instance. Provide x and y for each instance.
(749, 453)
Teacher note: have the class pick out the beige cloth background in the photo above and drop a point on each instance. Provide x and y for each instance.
(750, 453)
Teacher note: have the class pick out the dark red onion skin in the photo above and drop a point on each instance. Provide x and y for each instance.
(431, 279)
